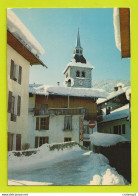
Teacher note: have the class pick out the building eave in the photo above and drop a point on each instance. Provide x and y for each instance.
(23, 51)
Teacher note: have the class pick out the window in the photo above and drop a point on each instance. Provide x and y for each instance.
(68, 123)
(83, 74)
(69, 83)
(14, 105)
(42, 123)
(119, 129)
(43, 140)
(39, 141)
(123, 129)
(77, 51)
(86, 129)
(80, 51)
(77, 73)
(16, 72)
(115, 129)
(108, 110)
(67, 139)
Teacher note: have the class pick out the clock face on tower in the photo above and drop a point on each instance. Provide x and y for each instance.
(80, 82)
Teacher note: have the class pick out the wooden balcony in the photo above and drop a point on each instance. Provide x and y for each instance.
(62, 111)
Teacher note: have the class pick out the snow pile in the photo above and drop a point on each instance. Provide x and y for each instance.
(122, 112)
(104, 139)
(18, 29)
(116, 21)
(73, 63)
(72, 166)
(43, 155)
(70, 91)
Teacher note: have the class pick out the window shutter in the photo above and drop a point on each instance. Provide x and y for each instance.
(10, 102)
(37, 123)
(47, 123)
(18, 141)
(36, 142)
(12, 69)
(20, 75)
(19, 106)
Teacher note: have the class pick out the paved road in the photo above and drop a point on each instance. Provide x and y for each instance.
(73, 171)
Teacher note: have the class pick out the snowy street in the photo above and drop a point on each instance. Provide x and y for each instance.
(68, 167)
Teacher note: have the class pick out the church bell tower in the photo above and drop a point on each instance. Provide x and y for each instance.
(78, 71)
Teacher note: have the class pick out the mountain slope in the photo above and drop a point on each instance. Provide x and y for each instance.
(109, 85)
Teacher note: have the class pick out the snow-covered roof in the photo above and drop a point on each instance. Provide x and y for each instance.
(120, 84)
(128, 93)
(18, 29)
(113, 94)
(68, 91)
(105, 139)
(32, 87)
(73, 63)
(116, 22)
(122, 112)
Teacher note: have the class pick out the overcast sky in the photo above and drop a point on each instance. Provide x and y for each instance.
(56, 30)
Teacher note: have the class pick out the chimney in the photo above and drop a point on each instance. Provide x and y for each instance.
(108, 110)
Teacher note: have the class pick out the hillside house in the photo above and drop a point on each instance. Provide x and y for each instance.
(23, 50)
(61, 114)
(114, 112)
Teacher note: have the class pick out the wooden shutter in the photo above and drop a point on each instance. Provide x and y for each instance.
(47, 123)
(10, 141)
(19, 106)
(37, 123)
(36, 142)
(18, 141)
(10, 102)
(20, 75)
(12, 69)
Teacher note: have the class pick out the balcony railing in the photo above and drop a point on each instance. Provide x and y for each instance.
(67, 111)
(62, 111)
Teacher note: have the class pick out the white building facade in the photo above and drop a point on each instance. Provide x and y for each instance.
(19, 59)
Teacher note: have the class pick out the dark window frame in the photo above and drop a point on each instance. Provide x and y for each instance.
(83, 74)
(78, 73)
(68, 123)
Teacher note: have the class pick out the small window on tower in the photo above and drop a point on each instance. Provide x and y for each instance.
(81, 51)
(83, 74)
(77, 51)
(77, 74)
